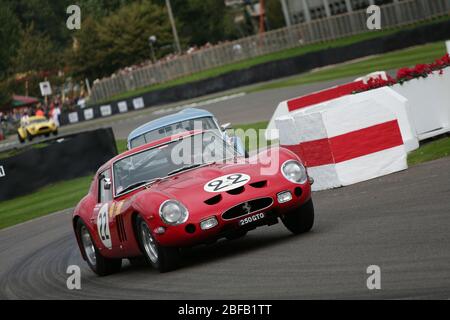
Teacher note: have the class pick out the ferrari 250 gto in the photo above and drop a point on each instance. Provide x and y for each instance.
(150, 202)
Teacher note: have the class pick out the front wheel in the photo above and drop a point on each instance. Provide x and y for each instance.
(99, 264)
(301, 221)
(161, 258)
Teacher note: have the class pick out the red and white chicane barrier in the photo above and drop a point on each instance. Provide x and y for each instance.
(288, 106)
(345, 144)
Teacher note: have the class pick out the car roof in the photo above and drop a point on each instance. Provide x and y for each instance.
(186, 114)
(148, 146)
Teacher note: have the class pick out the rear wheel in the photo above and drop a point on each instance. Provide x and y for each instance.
(21, 140)
(99, 264)
(55, 133)
(161, 258)
(30, 137)
(301, 221)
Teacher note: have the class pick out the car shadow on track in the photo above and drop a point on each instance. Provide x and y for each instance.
(223, 249)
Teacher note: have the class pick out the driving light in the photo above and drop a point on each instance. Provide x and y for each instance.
(294, 171)
(209, 223)
(284, 196)
(173, 212)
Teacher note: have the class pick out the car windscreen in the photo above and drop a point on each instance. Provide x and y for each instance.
(206, 123)
(164, 160)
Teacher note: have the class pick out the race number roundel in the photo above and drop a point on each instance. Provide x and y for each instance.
(103, 226)
(226, 183)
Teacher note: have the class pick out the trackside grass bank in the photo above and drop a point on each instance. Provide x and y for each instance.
(388, 61)
(284, 54)
(66, 194)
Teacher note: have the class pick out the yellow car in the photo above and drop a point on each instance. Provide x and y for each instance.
(36, 126)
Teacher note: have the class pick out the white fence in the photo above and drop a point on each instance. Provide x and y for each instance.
(335, 27)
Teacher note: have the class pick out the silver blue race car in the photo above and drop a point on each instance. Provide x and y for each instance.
(186, 120)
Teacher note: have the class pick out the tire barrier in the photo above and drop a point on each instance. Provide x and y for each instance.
(64, 158)
(265, 72)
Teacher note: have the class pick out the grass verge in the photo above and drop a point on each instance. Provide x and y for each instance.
(388, 61)
(430, 151)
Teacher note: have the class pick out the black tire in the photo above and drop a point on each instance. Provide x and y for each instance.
(103, 266)
(300, 221)
(20, 139)
(55, 133)
(30, 137)
(168, 258)
(237, 235)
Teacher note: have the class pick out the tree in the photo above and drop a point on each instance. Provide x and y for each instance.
(82, 56)
(35, 53)
(202, 21)
(101, 8)
(124, 34)
(275, 17)
(9, 38)
(48, 16)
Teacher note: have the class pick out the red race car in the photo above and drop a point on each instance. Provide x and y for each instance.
(148, 203)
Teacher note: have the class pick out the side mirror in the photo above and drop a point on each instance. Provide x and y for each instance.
(226, 126)
(107, 185)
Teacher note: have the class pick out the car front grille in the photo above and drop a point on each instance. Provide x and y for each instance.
(247, 207)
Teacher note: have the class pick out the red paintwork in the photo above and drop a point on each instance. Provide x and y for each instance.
(186, 187)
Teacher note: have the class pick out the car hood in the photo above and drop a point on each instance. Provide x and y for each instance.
(192, 182)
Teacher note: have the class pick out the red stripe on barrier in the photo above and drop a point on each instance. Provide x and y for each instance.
(322, 96)
(366, 141)
(349, 145)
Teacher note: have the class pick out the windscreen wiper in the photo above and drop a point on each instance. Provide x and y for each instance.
(133, 186)
(192, 166)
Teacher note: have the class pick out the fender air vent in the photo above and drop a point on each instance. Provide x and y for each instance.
(214, 200)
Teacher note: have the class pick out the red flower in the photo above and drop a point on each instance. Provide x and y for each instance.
(406, 74)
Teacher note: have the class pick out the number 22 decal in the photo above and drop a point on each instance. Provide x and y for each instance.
(103, 226)
(226, 183)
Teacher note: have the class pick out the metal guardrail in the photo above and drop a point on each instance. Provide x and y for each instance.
(392, 15)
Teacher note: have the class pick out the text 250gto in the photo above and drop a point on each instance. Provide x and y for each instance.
(151, 201)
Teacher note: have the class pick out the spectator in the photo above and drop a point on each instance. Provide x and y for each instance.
(55, 113)
(40, 112)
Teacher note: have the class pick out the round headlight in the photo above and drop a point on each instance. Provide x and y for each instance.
(173, 212)
(294, 171)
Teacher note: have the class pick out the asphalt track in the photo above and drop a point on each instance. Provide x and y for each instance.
(399, 222)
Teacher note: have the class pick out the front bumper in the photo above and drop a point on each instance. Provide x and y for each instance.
(191, 234)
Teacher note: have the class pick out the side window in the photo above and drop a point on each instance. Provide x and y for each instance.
(139, 141)
(104, 187)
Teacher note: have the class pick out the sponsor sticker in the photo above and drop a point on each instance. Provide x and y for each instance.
(138, 103)
(73, 117)
(88, 114)
(123, 107)
(105, 110)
